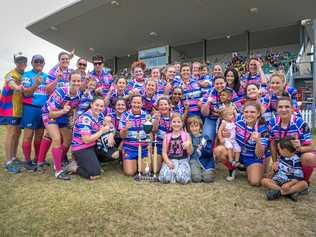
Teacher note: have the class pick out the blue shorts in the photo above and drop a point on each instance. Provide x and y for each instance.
(62, 122)
(132, 153)
(247, 161)
(32, 117)
(13, 121)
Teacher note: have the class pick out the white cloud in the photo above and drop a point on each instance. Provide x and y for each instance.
(15, 16)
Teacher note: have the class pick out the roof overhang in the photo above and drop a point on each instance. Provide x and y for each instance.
(122, 27)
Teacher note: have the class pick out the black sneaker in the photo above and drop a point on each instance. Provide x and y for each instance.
(273, 194)
(30, 166)
(294, 196)
(62, 176)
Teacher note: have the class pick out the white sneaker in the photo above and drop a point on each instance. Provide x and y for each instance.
(231, 176)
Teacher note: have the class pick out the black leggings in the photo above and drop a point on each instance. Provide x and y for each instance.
(88, 164)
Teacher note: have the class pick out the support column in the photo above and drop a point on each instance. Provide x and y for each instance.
(314, 75)
(204, 53)
(115, 66)
(169, 55)
(248, 43)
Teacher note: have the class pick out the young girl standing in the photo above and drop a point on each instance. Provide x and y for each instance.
(176, 148)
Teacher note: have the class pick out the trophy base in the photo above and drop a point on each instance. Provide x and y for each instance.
(146, 178)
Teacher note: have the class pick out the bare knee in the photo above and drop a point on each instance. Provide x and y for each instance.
(254, 182)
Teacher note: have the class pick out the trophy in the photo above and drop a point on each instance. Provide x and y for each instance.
(147, 175)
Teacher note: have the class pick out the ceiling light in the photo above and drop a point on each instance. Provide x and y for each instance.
(115, 3)
(91, 49)
(253, 10)
(305, 22)
(54, 28)
(228, 36)
(153, 34)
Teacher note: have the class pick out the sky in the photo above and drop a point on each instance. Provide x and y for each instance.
(14, 17)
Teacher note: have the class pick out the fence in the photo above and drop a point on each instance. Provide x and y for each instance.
(308, 118)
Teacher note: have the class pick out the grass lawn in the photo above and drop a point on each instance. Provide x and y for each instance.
(34, 204)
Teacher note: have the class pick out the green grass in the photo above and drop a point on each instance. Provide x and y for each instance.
(39, 205)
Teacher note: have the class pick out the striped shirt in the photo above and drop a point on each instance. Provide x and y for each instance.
(149, 103)
(297, 128)
(11, 100)
(64, 81)
(85, 100)
(164, 127)
(133, 84)
(57, 101)
(290, 168)
(85, 125)
(292, 92)
(243, 137)
(192, 94)
(131, 139)
(104, 80)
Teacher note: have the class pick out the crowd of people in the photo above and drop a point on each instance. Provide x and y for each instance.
(199, 118)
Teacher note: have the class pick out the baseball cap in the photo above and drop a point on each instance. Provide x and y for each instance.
(38, 57)
(19, 58)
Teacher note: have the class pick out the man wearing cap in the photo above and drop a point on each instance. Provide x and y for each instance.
(34, 97)
(104, 79)
(11, 112)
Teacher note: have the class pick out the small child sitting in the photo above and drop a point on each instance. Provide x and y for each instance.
(228, 124)
(201, 161)
(176, 149)
(289, 178)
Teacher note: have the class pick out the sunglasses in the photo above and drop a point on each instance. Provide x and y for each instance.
(97, 63)
(39, 61)
(82, 64)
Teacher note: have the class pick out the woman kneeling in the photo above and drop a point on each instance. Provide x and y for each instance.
(87, 130)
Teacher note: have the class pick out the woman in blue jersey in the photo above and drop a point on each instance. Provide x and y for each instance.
(287, 123)
(149, 96)
(252, 136)
(162, 123)
(88, 128)
(138, 77)
(34, 97)
(279, 88)
(57, 115)
(191, 90)
(133, 134)
(255, 75)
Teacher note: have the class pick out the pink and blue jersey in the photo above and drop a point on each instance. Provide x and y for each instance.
(216, 105)
(57, 101)
(117, 95)
(192, 94)
(115, 119)
(291, 92)
(179, 108)
(136, 131)
(85, 100)
(149, 103)
(209, 80)
(243, 137)
(85, 125)
(297, 128)
(40, 96)
(64, 81)
(133, 84)
(104, 80)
